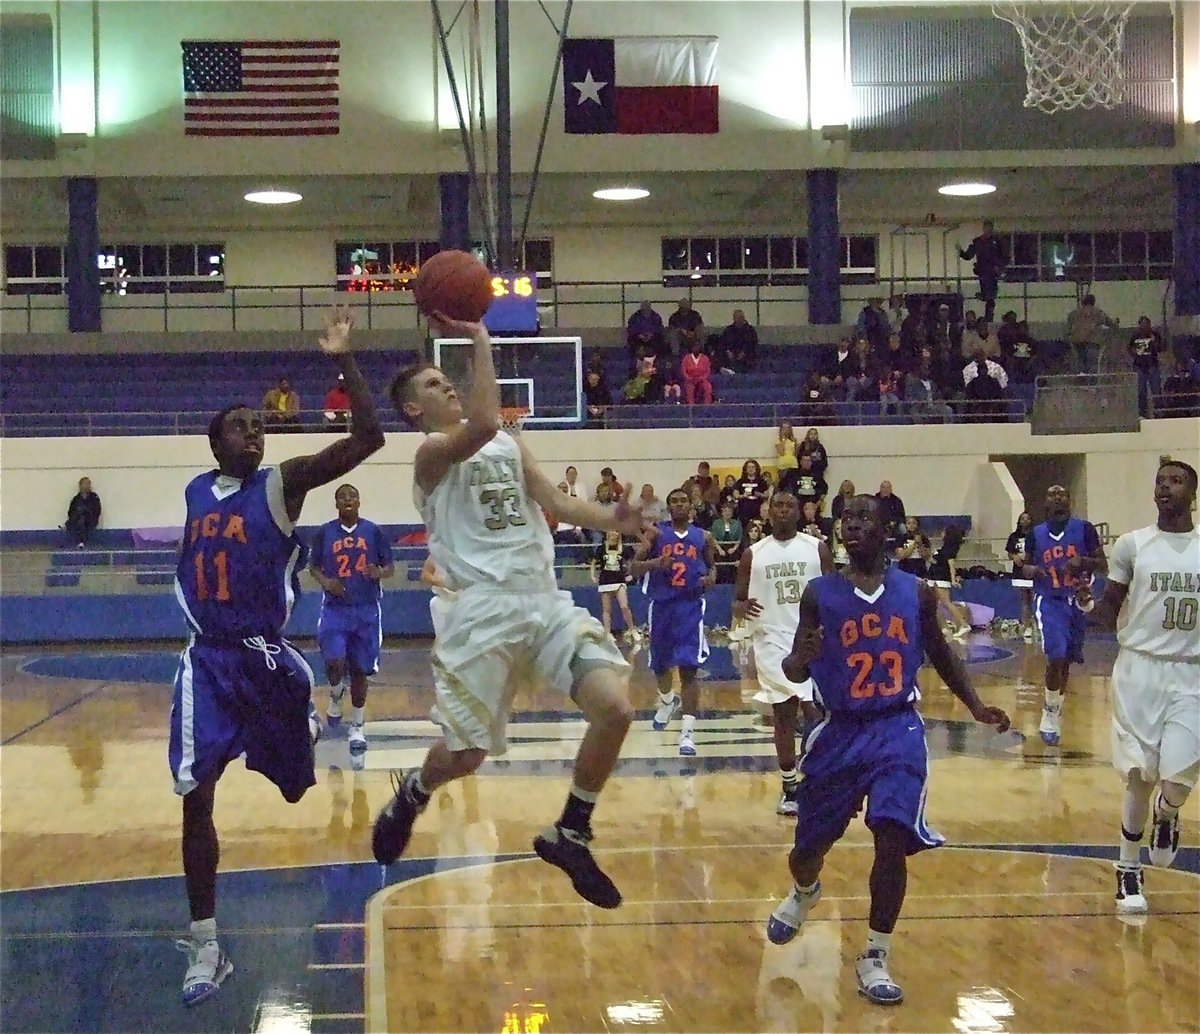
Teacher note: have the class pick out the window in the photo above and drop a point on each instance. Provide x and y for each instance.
(750, 261)
(391, 265)
(121, 268)
(1086, 256)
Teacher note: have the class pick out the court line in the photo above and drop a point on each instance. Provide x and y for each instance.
(54, 714)
(337, 1016)
(336, 965)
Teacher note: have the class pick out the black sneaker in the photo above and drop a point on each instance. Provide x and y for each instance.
(393, 825)
(1131, 898)
(1164, 839)
(558, 847)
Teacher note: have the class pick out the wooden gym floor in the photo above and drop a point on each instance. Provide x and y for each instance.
(1008, 928)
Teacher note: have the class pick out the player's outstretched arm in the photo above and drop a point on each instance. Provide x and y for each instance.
(642, 563)
(948, 665)
(573, 510)
(301, 474)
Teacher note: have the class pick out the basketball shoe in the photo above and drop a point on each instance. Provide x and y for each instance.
(314, 722)
(1131, 897)
(394, 824)
(687, 745)
(790, 913)
(787, 803)
(357, 738)
(1050, 729)
(874, 981)
(333, 713)
(208, 966)
(1164, 838)
(667, 709)
(568, 850)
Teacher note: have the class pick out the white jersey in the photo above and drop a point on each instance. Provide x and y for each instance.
(484, 529)
(1162, 570)
(779, 571)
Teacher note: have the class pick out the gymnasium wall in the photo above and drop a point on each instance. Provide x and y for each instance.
(936, 470)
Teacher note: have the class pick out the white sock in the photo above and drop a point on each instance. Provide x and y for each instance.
(204, 930)
(789, 776)
(1163, 809)
(1053, 699)
(882, 941)
(665, 698)
(356, 715)
(804, 891)
(689, 724)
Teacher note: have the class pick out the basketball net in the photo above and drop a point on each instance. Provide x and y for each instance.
(512, 418)
(1072, 52)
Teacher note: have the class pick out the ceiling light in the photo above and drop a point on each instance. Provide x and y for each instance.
(967, 189)
(273, 197)
(621, 193)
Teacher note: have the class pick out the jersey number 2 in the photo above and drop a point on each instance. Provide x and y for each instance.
(861, 689)
(221, 564)
(679, 574)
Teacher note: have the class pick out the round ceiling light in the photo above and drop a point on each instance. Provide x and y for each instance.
(621, 193)
(967, 189)
(273, 197)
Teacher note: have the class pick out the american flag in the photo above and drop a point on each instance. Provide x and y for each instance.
(260, 88)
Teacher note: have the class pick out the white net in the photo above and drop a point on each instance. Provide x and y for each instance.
(1072, 52)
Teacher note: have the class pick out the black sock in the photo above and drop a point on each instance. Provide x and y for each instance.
(577, 813)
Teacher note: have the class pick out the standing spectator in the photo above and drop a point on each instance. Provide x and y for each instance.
(727, 533)
(597, 397)
(739, 343)
(846, 492)
(891, 509)
(914, 334)
(729, 492)
(1015, 548)
(990, 262)
(337, 406)
(810, 486)
(814, 447)
(83, 514)
(704, 480)
(944, 576)
(984, 383)
(696, 371)
(874, 325)
(610, 569)
(816, 399)
(644, 334)
(785, 448)
(1085, 332)
(281, 407)
(1144, 348)
(653, 508)
(684, 328)
(703, 512)
(1181, 392)
(752, 491)
(1016, 348)
(922, 397)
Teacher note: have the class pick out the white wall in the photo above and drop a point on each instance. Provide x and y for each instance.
(936, 470)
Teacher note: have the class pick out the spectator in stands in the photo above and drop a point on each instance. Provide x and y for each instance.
(806, 484)
(1181, 391)
(785, 448)
(839, 370)
(727, 534)
(1145, 346)
(729, 492)
(984, 384)
(752, 491)
(653, 508)
(812, 523)
(914, 333)
(704, 480)
(1016, 348)
(644, 385)
(984, 336)
(816, 400)
(684, 328)
(615, 488)
(703, 512)
(754, 532)
(862, 384)
(890, 387)
(891, 508)
(846, 492)
(337, 406)
(83, 514)
(644, 334)
(597, 397)
(575, 487)
(940, 335)
(739, 344)
(898, 357)
(569, 533)
(836, 546)
(896, 312)
(990, 261)
(1085, 332)
(1015, 548)
(874, 325)
(814, 447)
(281, 407)
(923, 400)
(696, 371)
(913, 551)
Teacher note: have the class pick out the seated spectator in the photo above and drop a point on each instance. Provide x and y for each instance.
(1145, 346)
(752, 490)
(846, 492)
(891, 508)
(814, 447)
(862, 384)
(785, 447)
(739, 344)
(896, 312)
(809, 485)
(729, 492)
(1018, 361)
(816, 400)
(672, 391)
(981, 336)
(644, 334)
(597, 397)
(898, 357)
(653, 508)
(643, 385)
(727, 534)
(281, 408)
(941, 333)
(609, 479)
(568, 534)
(83, 514)
(704, 480)
(684, 328)
(836, 546)
(575, 487)
(984, 381)
(923, 400)
(696, 371)
(889, 391)
(874, 325)
(839, 370)
(812, 523)
(337, 406)
(914, 334)
(704, 513)
(1181, 392)
(913, 552)
(754, 532)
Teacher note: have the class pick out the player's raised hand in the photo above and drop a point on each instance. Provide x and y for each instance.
(628, 517)
(986, 715)
(338, 324)
(446, 326)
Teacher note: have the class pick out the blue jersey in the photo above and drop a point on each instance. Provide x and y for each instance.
(1050, 551)
(685, 575)
(344, 553)
(238, 570)
(871, 651)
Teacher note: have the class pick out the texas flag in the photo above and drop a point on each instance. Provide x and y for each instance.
(640, 84)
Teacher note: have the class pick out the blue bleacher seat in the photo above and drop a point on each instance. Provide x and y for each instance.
(60, 579)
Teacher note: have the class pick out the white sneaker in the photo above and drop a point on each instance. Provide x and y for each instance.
(1051, 727)
(874, 981)
(333, 713)
(1164, 838)
(1131, 897)
(666, 711)
(358, 739)
(207, 968)
(687, 746)
(787, 803)
(790, 913)
(314, 722)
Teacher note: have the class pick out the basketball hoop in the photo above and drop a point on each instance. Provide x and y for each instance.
(1072, 52)
(512, 418)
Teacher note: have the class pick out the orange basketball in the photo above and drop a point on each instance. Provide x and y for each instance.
(455, 283)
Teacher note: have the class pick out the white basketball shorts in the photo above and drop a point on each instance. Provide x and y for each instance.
(1156, 718)
(774, 687)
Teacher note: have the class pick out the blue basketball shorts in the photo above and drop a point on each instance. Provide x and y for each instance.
(247, 698)
(1063, 627)
(351, 633)
(677, 633)
(883, 759)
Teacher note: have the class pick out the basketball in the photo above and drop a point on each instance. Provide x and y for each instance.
(455, 283)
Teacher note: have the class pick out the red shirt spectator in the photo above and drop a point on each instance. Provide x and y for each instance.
(697, 373)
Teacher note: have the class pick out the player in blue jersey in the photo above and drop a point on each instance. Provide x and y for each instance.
(349, 557)
(241, 688)
(1062, 553)
(862, 637)
(677, 562)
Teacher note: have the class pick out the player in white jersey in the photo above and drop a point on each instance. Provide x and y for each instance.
(481, 495)
(771, 578)
(1155, 573)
